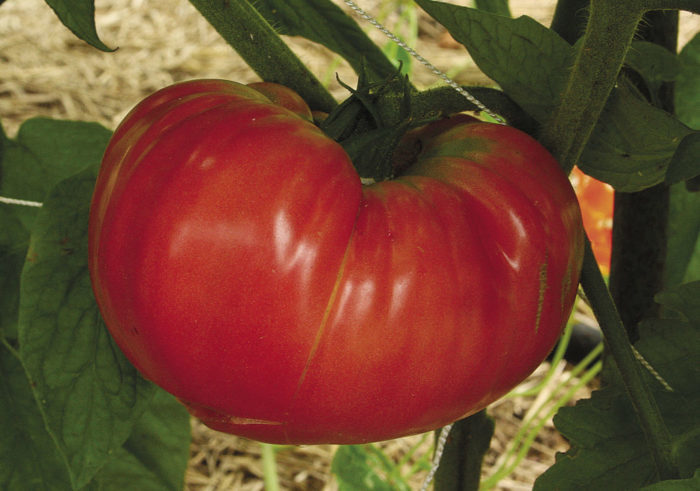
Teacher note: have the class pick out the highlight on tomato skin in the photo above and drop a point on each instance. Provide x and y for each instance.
(239, 264)
(596, 200)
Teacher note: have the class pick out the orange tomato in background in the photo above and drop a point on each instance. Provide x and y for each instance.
(596, 199)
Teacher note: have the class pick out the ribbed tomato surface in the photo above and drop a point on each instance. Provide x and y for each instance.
(240, 264)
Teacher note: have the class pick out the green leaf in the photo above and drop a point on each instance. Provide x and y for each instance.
(29, 458)
(14, 239)
(19, 168)
(355, 468)
(608, 449)
(155, 455)
(325, 23)
(498, 43)
(691, 484)
(687, 95)
(61, 149)
(654, 63)
(89, 394)
(3, 140)
(499, 7)
(125, 471)
(45, 152)
(632, 144)
(685, 300)
(79, 17)
(685, 163)
(444, 100)
(683, 250)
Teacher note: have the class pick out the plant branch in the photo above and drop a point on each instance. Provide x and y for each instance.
(464, 452)
(609, 33)
(640, 225)
(445, 100)
(261, 47)
(607, 39)
(269, 459)
(648, 413)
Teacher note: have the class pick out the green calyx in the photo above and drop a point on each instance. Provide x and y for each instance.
(371, 122)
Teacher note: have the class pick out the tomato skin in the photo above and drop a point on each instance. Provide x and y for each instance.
(240, 265)
(284, 97)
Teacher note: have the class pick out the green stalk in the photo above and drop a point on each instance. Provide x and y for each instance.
(261, 47)
(460, 466)
(648, 413)
(609, 33)
(607, 38)
(269, 467)
(640, 220)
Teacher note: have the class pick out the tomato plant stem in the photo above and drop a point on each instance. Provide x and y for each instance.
(640, 232)
(618, 343)
(261, 47)
(463, 453)
(269, 467)
(608, 36)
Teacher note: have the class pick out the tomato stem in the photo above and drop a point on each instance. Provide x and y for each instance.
(608, 36)
(648, 413)
(464, 452)
(641, 219)
(609, 33)
(371, 122)
(445, 101)
(261, 47)
(269, 459)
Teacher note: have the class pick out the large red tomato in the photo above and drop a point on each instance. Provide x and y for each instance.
(240, 264)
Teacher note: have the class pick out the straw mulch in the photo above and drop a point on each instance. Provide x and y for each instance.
(46, 71)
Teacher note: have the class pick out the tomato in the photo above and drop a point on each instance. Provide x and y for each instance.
(597, 202)
(241, 265)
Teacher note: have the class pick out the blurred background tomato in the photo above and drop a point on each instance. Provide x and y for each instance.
(597, 200)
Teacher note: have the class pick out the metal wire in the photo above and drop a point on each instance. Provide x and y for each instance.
(362, 13)
(20, 202)
(439, 450)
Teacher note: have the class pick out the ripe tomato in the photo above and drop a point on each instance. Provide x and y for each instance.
(240, 264)
(597, 201)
